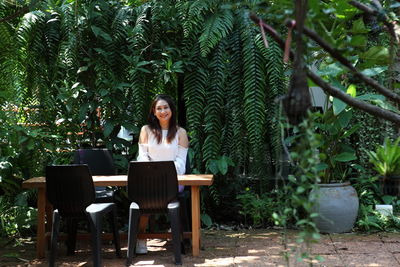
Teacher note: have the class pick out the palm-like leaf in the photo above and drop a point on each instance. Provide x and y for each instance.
(215, 101)
(386, 159)
(217, 27)
(254, 91)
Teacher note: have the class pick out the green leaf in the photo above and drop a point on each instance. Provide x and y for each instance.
(213, 166)
(358, 40)
(108, 128)
(206, 219)
(374, 71)
(333, 70)
(345, 157)
(338, 106)
(103, 92)
(376, 55)
(352, 90)
(359, 27)
(321, 166)
(371, 97)
(351, 130)
(222, 166)
(82, 69)
(99, 32)
(388, 199)
(82, 111)
(300, 190)
(344, 118)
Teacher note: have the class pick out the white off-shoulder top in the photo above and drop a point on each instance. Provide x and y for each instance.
(153, 151)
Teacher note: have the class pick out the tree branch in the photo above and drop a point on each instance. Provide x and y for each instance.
(369, 108)
(354, 102)
(15, 15)
(381, 16)
(335, 54)
(21, 11)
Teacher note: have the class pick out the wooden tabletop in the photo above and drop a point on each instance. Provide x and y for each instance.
(122, 180)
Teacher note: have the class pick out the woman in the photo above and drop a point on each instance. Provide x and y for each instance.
(161, 140)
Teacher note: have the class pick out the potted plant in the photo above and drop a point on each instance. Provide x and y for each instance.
(386, 161)
(335, 201)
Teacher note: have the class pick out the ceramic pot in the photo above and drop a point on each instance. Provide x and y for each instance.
(337, 207)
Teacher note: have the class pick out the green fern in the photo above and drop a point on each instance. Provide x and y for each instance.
(235, 128)
(215, 101)
(217, 27)
(276, 88)
(254, 92)
(195, 93)
(191, 13)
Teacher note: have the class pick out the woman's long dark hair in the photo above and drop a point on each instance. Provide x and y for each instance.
(154, 124)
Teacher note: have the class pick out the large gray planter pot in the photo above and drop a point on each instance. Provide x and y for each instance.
(337, 207)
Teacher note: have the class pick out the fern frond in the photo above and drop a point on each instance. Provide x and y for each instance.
(138, 37)
(235, 144)
(195, 101)
(191, 13)
(276, 86)
(218, 26)
(254, 91)
(215, 101)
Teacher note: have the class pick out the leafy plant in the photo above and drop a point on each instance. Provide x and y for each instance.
(15, 216)
(296, 203)
(335, 149)
(258, 208)
(386, 158)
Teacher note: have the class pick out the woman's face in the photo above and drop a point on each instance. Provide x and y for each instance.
(162, 111)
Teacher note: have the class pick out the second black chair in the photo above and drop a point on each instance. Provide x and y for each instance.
(100, 162)
(153, 188)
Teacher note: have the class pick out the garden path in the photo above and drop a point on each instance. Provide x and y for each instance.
(233, 248)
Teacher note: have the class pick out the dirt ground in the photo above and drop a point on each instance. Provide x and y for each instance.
(229, 248)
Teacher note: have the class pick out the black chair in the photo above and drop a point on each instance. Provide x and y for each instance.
(153, 188)
(100, 162)
(70, 190)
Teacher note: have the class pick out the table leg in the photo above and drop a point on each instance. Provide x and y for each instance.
(195, 220)
(41, 224)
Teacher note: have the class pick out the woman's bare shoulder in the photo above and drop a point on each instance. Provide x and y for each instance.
(183, 138)
(145, 128)
(181, 130)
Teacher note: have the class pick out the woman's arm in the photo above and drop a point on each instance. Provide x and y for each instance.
(183, 144)
(143, 154)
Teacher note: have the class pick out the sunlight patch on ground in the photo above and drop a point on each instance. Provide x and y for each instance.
(147, 263)
(216, 262)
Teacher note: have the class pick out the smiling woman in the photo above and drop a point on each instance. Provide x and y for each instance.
(161, 140)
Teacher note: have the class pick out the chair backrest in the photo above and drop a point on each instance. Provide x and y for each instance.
(152, 185)
(69, 188)
(99, 160)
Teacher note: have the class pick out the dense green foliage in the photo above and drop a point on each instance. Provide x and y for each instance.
(78, 71)
(73, 72)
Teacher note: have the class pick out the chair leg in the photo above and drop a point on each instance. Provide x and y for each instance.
(176, 233)
(95, 228)
(72, 229)
(134, 216)
(113, 221)
(54, 238)
(185, 219)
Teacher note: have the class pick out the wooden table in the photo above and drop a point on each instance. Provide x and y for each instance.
(192, 180)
